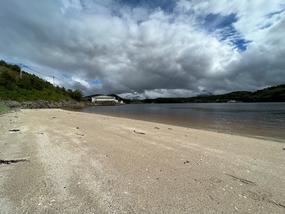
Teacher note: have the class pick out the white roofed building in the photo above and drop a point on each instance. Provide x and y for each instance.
(105, 100)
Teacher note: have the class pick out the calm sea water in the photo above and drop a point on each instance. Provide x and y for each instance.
(266, 120)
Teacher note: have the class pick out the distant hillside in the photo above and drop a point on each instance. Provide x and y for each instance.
(29, 87)
(271, 94)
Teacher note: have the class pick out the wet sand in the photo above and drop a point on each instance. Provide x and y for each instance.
(56, 161)
(259, 120)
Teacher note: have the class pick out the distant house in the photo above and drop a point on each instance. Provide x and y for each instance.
(232, 101)
(104, 100)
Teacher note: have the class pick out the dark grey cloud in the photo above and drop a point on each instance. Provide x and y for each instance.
(135, 50)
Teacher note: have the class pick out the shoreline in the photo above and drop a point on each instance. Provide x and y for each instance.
(79, 106)
(62, 161)
(173, 123)
(79, 110)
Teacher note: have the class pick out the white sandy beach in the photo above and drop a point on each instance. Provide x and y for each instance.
(76, 162)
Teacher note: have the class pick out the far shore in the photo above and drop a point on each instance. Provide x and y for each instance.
(59, 161)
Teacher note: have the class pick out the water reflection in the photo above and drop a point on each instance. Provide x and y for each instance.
(255, 119)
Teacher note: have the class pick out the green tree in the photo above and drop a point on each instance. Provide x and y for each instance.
(76, 95)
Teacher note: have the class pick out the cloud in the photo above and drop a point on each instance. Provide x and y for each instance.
(148, 49)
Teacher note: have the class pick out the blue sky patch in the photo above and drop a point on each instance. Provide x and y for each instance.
(270, 15)
(95, 82)
(224, 27)
(216, 21)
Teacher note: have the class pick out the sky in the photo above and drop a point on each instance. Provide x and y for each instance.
(147, 48)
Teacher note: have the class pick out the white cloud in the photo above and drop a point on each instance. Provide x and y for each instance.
(252, 15)
(81, 81)
(146, 50)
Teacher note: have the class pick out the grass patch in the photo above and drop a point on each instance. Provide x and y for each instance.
(3, 108)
